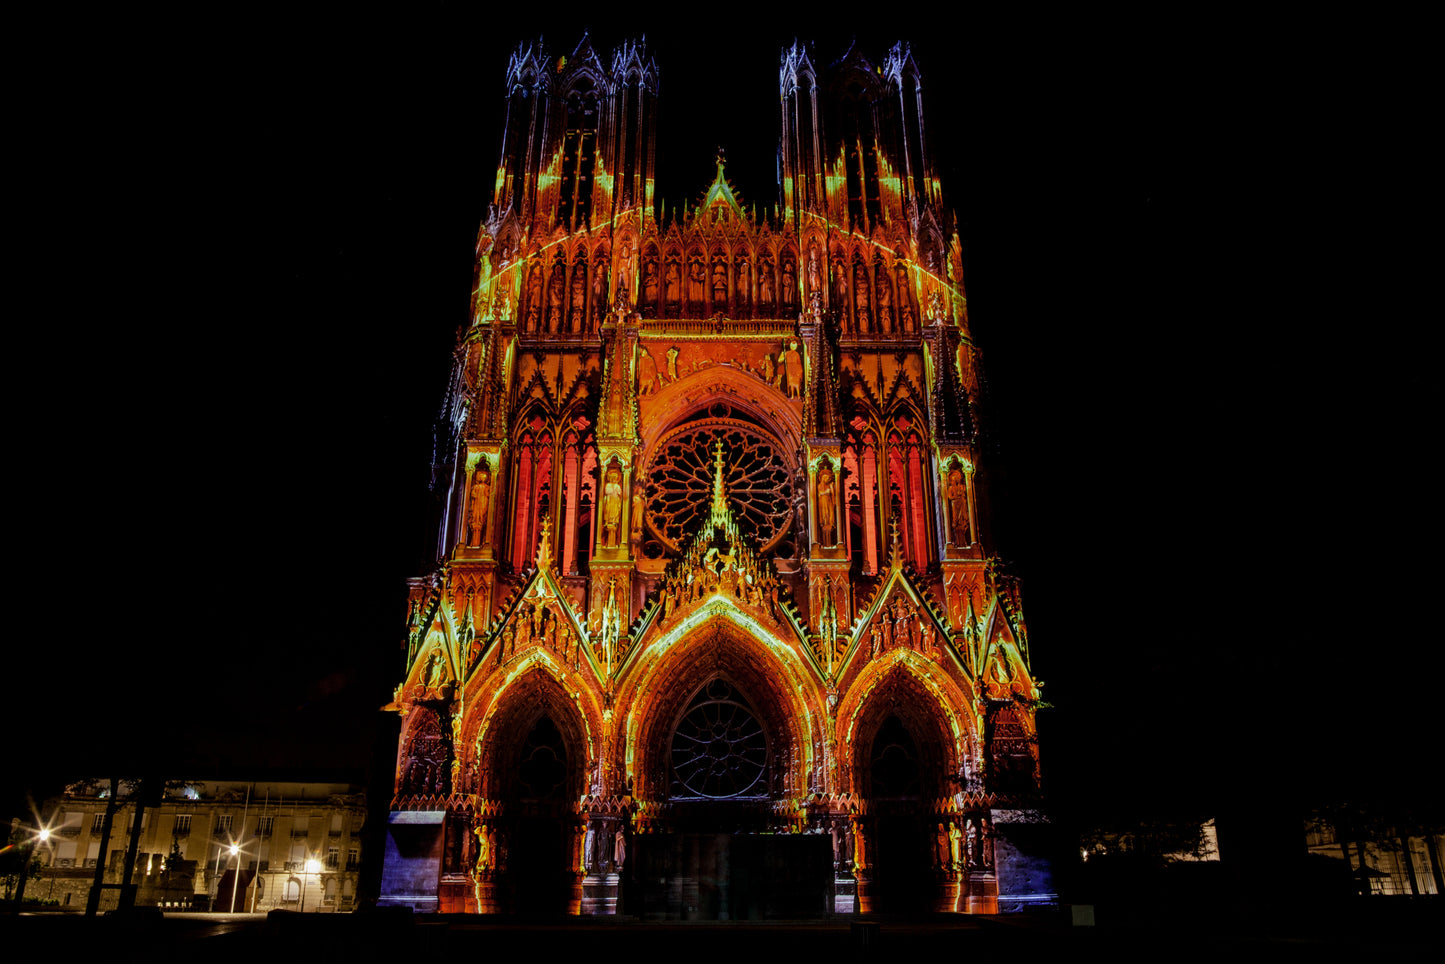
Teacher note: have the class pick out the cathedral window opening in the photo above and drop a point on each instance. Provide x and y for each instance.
(757, 480)
(893, 767)
(579, 148)
(719, 749)
(542, 770)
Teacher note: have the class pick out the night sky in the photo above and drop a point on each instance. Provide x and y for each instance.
(1208, 425)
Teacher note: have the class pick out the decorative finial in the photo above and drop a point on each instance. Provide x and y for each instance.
(719, 494)
(544, 546)
(895, 553)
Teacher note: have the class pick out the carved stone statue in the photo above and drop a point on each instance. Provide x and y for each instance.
(649, 282)
(556, 290)
(958, 508)
(790, 282)
(647, 378)
(619, 850)
(612, 506)
(793, 370)
(696, 283)
(579, 296)
(826, 505)
(672, 354)
(481, 496)
(674, 281)
(637, 502)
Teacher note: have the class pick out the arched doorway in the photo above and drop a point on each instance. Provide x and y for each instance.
(901, 863)
(542, 825)
(532, 759)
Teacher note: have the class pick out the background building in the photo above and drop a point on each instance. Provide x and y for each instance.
(298, 845)
(714, 602)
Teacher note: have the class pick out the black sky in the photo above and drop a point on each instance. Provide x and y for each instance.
(1208, 448)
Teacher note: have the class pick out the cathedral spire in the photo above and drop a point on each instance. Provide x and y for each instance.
(720, 514)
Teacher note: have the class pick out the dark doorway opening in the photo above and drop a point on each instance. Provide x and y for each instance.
(899, 857)
(542, 877)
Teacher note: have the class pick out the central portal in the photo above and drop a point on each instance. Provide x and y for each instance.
(721, 860)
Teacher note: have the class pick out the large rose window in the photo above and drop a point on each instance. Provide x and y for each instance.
(679, 486)
(718, 749)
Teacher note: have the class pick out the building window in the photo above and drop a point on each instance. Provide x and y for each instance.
(293, 891)
(183, 824)
(264, 826)
(98, 823)
(336, 819)
(223, 823)
(353, 858)
(333, 858)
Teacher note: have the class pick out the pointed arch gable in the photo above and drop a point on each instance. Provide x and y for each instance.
(685, 398)
(934, 708)
(724, 642)
(506, 710)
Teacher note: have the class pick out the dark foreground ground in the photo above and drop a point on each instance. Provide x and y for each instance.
(1405, 930)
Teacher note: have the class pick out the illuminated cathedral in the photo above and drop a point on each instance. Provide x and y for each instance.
(714, 630)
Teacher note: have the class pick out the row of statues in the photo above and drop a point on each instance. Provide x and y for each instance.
(898, 626)
(535, 623)
(876, 299)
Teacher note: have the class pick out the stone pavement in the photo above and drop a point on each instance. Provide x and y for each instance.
(377, 936)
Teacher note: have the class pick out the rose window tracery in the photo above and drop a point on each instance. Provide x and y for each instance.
(756, 479)
(719, 749)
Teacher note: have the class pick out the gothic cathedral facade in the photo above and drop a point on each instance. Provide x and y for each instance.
(714, 628)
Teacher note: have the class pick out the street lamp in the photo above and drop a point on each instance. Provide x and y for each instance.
(236, 880)
(311, 866)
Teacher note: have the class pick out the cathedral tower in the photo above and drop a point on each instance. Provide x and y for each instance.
(711, 585)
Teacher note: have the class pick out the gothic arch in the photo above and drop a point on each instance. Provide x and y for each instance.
(768, 672)
(766, 405)
(532, 690)
(932, 707)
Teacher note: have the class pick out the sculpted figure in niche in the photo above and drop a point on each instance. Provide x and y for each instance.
(765, 282)
(599, 292)
(556, 291)
(696, 282)
(719, 286)
(611, 505)
(649, 282)
(647, 378)
(860, 294)
(481, 504)
(958, 506)
(885, 299)
(744, 284)
(905, 303)
(534, 298)
(793, 370)
(624, 279)
(674, 281)
(790, 282)
(814, 271)
(579, 295)
(827, 505)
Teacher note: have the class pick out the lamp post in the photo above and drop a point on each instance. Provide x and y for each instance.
(309, 867)
(236, 880)
(26, 851)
